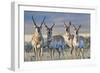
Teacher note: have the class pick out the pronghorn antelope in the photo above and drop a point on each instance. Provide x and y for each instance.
(69, 37)
(37, 39)
(78, 42)
(54, 42)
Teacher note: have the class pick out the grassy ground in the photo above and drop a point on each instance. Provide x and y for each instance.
(30, 56)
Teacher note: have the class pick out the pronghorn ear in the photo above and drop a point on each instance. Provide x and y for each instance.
(43, 20)
(34, 21)
(52, 25)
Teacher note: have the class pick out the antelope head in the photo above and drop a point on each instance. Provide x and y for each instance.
(49, 29)
(38, 28)
(67, 29)
(76, 29)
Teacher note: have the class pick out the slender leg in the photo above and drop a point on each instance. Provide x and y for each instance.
(83, 54)
(53, 52)
(71, 42)
(50, 53)
(33, 49)
(58, 52)
(82, 50)
(79, 52)
(35, 53)
(71, 51)
(41, 51)
(72, 48)
(79, 49)
(63, 52)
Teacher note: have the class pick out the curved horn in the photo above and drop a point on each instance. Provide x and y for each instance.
(65, 25)
(34, 21)
(79, 27)
(74, 27)
(70, 23)
(43, 21)
(46, 25)
(53, 25)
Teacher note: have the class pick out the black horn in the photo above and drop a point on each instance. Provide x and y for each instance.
(74, 27)
(70, 23)
(65, 25)
(43, 21)
(79, 27)
(34, 21)
(46, 25)
(53, 25)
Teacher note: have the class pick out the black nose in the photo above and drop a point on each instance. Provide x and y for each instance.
(38, 30)
(76, 32)
(49, 32)
(66, 29)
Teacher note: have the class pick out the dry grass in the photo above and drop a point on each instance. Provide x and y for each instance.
(29, 56)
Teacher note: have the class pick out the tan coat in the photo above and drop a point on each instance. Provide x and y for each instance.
(36, 40)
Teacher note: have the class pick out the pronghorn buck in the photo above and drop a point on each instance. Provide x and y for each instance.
(37, 39)
(68, 36)
(78, 42)
(54, 43)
